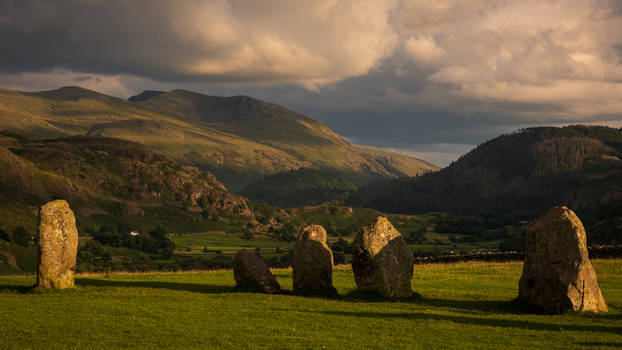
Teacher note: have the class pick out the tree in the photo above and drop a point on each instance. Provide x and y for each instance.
(22, 237)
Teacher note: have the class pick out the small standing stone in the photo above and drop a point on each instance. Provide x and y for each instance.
(57, 242)
(557, 273)
(251, 272)
(313, 263)
(382, 262)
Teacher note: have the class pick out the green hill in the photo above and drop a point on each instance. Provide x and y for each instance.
(297, 188)
(521, 174)
(108, 180)
(239, 139)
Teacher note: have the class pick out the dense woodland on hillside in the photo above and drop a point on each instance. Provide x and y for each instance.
(297, 188)
(521, 175)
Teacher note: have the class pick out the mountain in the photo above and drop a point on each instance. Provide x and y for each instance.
(145, 95)
(107, 181)
(239, 139)
(297, 188)
(522, 174)
(397, 163)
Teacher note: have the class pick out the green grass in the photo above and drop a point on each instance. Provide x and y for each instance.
(458, 306)
(226, 243)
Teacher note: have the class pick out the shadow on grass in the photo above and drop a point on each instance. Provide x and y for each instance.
(462, 305)
(480, 321)
(600, 344)
(189, 287)
(17, 288)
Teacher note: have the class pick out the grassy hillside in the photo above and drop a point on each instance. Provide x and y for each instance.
(15, 259)
(297, 188)
(522, 175)
(395, 162)
(107, 181)
(239, 139)
(457, 306)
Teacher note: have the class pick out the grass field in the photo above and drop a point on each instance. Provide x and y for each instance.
(457, 306)
(225, 243)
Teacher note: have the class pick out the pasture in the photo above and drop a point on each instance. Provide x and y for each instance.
(455, 306)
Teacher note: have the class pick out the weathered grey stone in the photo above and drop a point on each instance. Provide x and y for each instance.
(382, 262)
(251, 272)
(57, 242)
(557, 274)
(313, 263)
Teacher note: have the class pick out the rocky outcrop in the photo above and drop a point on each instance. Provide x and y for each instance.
(252, 273)
(313, 263)
(57, 242)
(382, 262)
(557, 274)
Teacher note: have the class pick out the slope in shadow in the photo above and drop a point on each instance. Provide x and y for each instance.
(189, 287)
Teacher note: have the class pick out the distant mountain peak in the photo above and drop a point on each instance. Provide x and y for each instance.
(71, 93)
(145, 95)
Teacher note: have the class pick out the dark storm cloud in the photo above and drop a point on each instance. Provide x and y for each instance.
(234, 41)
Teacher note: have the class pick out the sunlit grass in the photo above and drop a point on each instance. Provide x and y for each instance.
(456, 306)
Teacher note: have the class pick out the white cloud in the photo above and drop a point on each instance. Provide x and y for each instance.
(555, 53)
(424, 48)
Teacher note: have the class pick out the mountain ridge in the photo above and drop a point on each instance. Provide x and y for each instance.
(239, 139)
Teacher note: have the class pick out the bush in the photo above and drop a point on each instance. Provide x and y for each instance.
(5, 235)
(22, 237)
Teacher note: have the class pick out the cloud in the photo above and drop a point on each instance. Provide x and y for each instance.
(554, 53)
(424, 48)
(235, 41)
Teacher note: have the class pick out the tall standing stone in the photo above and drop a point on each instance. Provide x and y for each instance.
(382, 262)
(251, 272)
(313, 263)
(557, 273)
(57, 242)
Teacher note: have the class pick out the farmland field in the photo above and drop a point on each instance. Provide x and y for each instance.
(465, 305)
(225, 243)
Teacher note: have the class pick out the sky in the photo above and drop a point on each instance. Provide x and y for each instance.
(428, 78)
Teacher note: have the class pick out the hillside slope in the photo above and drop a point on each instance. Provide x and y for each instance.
(108, 180)
(297, 188)
(240, 139)
(522, 174)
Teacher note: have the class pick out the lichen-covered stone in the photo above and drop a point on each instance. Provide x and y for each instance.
(382, 262)
(252, 273)
(57, 242)
(313, 263)
(557, 274)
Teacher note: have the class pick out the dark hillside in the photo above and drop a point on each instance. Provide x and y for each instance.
(521, 174)
(297, 188)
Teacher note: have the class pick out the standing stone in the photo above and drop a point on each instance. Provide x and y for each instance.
(557, 273)
(382, 262)
(251, 272)
(313, 263)
(57, 242)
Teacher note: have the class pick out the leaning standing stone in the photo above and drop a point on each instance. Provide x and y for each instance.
(382, 262)
(251, 272)
(313, 263)
(557, 273)
(57, 242)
